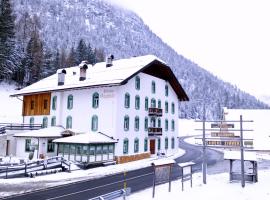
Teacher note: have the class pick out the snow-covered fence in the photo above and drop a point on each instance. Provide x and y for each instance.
(15, 126)
(113, 195)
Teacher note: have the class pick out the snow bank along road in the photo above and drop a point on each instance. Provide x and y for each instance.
(137, 179)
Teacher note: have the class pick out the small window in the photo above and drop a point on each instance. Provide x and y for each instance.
(159, 144)
(172, 143)
(153, 87)
(159, 104)
(125, 146)
(137, 123)
(32, 121)
(45, 103)
(92, 150)
(166, 143)
(53, 121)
(137, 83)
(50, 146)
(145, 144)
(166, 90)
(54, 102)
(146, 124)
(99, 150)
(127, 100)
(94, 124)
(32, 105)
(173, 125)
(95, 100)
(166, 125)
(70, 102)
(45, 122)
(146, 103)
(153, 103)
(126, 123)
(166, 107)
(153, 122)
(137, 102)
(27, 145)
(159, 123)
(136, 145)
(69, 122)
(173, 109)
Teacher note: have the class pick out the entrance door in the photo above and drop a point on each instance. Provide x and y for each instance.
(153, 146)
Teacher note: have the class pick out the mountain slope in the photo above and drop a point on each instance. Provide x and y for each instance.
(124, 34)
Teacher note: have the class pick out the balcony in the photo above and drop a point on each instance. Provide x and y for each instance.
(154, 131)
(155, 112)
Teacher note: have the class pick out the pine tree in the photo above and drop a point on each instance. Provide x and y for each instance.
(9, 53)
(48, 68)
(71, 59)
(81, 52)
(90, 55)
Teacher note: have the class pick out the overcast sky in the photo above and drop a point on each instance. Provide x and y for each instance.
(230, 38)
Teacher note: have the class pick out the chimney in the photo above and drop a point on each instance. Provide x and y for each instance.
(83, 67)
(61, 77)
(109, 61)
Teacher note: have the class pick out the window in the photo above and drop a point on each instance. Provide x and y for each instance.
(53, 121)
(137, 123)
(127, 100)
(137, 82)
(153, 87)
(70, 102)
(153, 103)
(145, 144)
(172, 144)
(159, 104)
(166, 143)
(69, 122)
(173, 109)
(78, 150)
(166, 90)
(166, 107)
(173, 125)
(126, 123)
(32, 105)
(50, 146)
(54, 101)
(159, 123)
(146, 124)
(92, 150)
(45, 103)
(45, 122)
(159, 144)
(166, 125)
(136, 145)
(32, 121)
(94, 124)
(125, 146)
(153, 122)
(99, 150)
(146, 103)
(137, 102)
(27, 145)
(95, 100)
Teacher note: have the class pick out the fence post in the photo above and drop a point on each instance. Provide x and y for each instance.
(7, 172)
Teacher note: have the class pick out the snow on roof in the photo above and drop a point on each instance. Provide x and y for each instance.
(164, 161)
(86, 138)
(236, 155)
(51, 132)
(97, 74)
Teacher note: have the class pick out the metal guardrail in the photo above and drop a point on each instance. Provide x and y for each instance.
(16, 126)
(113, 195)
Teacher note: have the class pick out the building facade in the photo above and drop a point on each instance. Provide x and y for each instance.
(134, 100)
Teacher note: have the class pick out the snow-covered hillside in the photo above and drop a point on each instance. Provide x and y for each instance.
(10, 108)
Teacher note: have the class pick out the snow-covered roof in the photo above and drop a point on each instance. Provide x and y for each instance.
(164, 161)
(51, 132)
(86, 138)
(236, 155)
(100, 75)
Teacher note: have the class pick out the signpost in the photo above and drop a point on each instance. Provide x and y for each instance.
(186, 170)
(162, 172)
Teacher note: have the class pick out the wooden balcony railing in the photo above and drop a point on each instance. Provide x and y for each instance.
(154, 131)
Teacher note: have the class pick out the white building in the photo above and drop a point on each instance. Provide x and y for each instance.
(133, 100)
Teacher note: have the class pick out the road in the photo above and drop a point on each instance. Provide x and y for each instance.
(137, 179)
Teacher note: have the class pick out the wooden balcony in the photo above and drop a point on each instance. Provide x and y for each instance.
(155, 112)
(154, 131)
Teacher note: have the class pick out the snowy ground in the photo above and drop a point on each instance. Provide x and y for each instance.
(10, 107)
(20, 185)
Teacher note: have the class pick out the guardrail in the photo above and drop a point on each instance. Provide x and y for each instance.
(16, 126)
(113, 195)
(2, 129)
